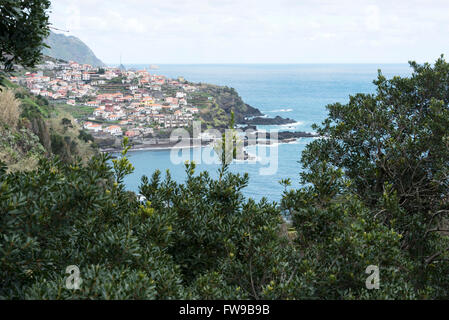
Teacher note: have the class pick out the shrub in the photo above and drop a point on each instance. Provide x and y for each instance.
(378, 189)
(9, 108)
(200, 239)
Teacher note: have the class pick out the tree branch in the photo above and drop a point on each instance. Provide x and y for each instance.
(436, 255)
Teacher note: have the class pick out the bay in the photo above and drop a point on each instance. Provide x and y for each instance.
(299, 91)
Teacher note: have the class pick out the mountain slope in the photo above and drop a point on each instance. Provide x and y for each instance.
(70, 48)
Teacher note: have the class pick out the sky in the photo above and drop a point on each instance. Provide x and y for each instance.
(257, 31)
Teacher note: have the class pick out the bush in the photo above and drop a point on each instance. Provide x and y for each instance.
(200, 239)
(378, 189)
(9, 108)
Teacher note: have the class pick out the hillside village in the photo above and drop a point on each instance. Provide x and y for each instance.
(123, 102)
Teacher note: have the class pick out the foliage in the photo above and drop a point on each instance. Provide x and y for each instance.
(339, 239)
(86, 136)
(23, 28)
(213, 245)
(9, 109)
(375, 193)
(78, 112)
(33, 106)
(67, 140)
(230, 145)
(382, 165)
(20, 149)
(25, 117)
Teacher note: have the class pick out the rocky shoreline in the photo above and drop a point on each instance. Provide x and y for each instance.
(165, 144)
(264, 121)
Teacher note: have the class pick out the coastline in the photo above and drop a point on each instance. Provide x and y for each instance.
(164, 147)
(152, 148)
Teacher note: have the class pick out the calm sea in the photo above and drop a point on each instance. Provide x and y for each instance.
(300, 92)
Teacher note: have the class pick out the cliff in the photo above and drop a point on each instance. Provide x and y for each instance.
(217, 102)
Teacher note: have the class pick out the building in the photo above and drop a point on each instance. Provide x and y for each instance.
(132, 133)
(114, 130)
(93, 126)
(192, 110)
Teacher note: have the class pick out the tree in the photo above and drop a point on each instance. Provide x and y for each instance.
(389, 151)
(23, 29)
(338, 239)
(200, 239)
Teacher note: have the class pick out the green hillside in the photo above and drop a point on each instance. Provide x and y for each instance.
(32, 128)
(70, 48)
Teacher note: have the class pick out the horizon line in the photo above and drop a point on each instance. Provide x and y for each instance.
(265, 63)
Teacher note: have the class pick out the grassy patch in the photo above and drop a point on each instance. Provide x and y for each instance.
(43, 110)
(7, 83)
(78, 112)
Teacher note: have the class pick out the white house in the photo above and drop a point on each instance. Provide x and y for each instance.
(98, 112)
(93, 126)
(113, 117)
(192, 110)
(114, 130)
(66, 77)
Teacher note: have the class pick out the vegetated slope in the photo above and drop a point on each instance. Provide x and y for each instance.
(39, 130)
(70, 48)
(217, 102)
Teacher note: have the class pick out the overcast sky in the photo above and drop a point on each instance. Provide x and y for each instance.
(258, 31)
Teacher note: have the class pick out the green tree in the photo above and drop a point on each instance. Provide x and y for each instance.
(23, 29)
(389, 152)
(200, 239)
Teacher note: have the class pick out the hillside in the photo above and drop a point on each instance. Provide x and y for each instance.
(70, 48)
(31, 128)
(217, 102)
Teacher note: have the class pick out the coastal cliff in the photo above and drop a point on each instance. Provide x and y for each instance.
(217, 102)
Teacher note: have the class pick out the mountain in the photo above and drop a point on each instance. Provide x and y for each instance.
(70, 48)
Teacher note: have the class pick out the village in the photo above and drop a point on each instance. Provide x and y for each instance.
(132, 103)
(113, 102)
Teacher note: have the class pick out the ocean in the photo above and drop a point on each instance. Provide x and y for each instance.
(300, 92)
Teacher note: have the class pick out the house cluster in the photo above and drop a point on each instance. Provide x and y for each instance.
(141, 103)
(63, 82)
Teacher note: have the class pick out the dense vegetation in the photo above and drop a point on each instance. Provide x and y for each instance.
(378, 188)
(217, 102)
(31, 127)
(375, 193)
(197, 240)
(23, 27)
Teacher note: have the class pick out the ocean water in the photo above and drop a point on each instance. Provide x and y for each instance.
(300, 92)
